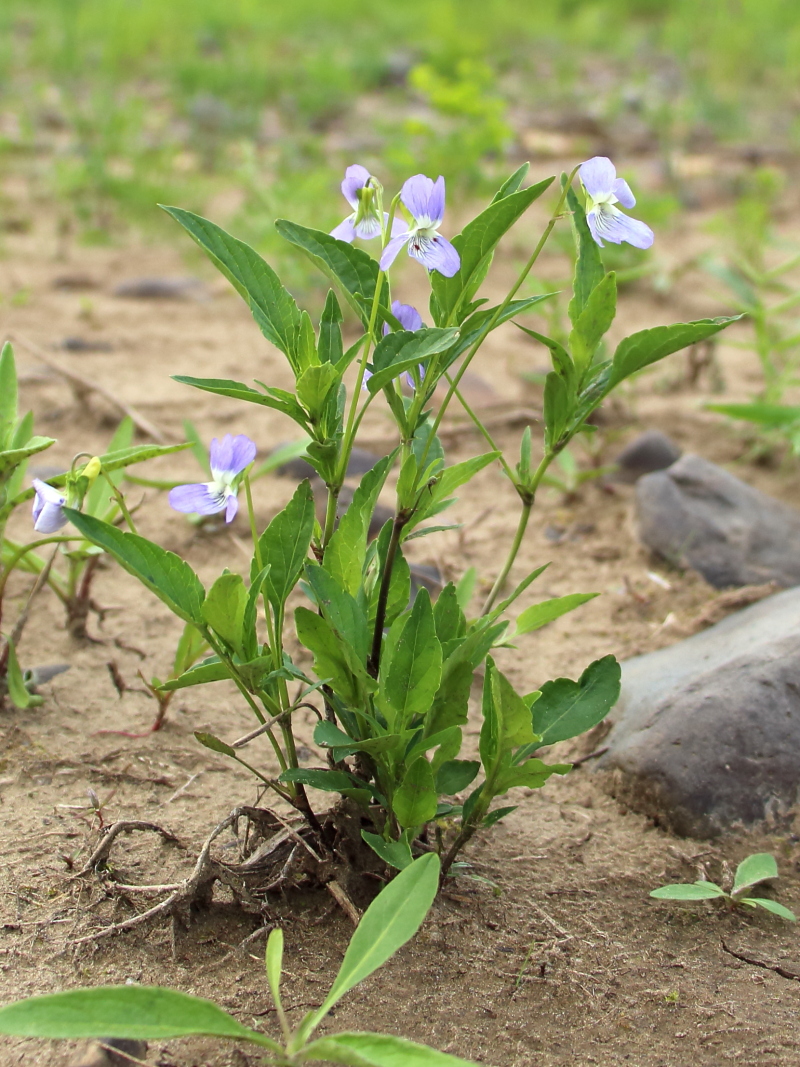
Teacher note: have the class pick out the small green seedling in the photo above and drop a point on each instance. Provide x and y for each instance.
(151, 1013)
(758, 868)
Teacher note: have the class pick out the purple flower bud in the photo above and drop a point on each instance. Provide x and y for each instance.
(359, 189)
(48, 505)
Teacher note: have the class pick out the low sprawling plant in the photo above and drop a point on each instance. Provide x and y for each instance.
(751, 872)
(91, 484)
(150, 1013)
(392, 674)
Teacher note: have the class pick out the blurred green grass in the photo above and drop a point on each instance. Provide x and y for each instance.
(250, 108)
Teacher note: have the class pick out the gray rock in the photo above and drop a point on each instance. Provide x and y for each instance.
(706, 733)
(161, 289)
(359, 463)
(650, 451)
(698, 515)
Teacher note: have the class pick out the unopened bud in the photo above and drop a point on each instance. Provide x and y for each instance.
(92, 469)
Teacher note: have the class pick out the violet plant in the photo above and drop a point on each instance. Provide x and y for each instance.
(91, 484)
(391, 678)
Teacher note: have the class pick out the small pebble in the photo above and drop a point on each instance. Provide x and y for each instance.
(84, 344)
(161, 289)
(650, 451)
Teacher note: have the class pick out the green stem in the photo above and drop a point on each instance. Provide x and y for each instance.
(501, 308)
(120, 499)
(17, 556)
(484, 432)
(253, 528)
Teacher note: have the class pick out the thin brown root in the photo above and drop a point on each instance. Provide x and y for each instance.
(339, 894)
(124, 826)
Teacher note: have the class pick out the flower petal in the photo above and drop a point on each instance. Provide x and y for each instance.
(609, 224)
(416, 194)
(369, 227)
(244, 452)
(408, 316)
(389, 253)
(622, 191)
(48, 515)
(598, 175)
(355, 177)
(231, 507)
(435, 253)
(230, 455)
(436, 202)
(199, 498)
(345, 231)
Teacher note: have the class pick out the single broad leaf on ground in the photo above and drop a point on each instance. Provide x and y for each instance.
(379, 1050)
(566, 708)
(688, 891)
(760, 867)
(17, 691)
(224, 608)
(392, 918)
(135, 1012)
(164, 573)
(329, 781)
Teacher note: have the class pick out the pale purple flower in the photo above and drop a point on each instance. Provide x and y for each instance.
(424, 199)
(227, 458)
(360, 189)
(48, 508)
(606, 222)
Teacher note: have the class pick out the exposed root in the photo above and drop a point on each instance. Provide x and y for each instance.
(278, 854)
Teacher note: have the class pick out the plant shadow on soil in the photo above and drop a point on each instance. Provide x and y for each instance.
(556, 955)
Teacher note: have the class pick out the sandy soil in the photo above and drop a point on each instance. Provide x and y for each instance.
(559, 957)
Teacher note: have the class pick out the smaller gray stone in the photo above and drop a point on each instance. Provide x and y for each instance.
(650, 451)
(161, 289)
(98, 1056)
(706, 732)
(696, 514)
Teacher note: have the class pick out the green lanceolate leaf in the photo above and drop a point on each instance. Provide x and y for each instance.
(416, 800)
(144, 1013)
(566, 708)
(532, 773)
(770, 416)
(15, 682)
(8, 396)
(284, 545)
(562, 360)
(379, 1050)
(331, 662)
(476, 244)
(277, 399)
(760, 867)
(506, 719)
(403, 350)
(589, 271)
(314, 385)
(448, 617)
(396, 853)
(437, 497)
(330, 348)
(347, 549)
(559, 408)
(648, 346)
(164, 573)
(512, 183)
(215, 671)
(214, 744)
(392, 918)
(351, 268)
(341, 610)
(594, 321)
(318, 778)
(224, 608)
(688, 891)
(455, 775)
(538, 615)
(772, 906)
(273, 307)
(411, 668)
(13, 456)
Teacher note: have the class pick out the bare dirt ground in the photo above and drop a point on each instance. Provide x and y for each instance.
(559, 957)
